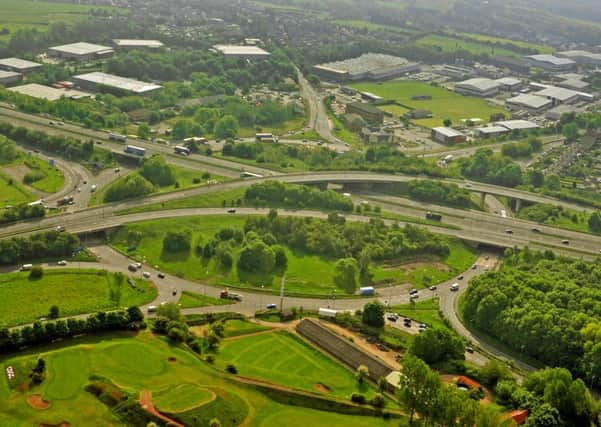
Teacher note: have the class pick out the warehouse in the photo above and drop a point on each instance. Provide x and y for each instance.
(81, 51)
(559, 95)
(366, 111)
(18, 65)
(93, 81)
(582, 57)
(482, 87)
(515, 64)
(137, 44)
(49, 93)
(9, 77)
(245, 52)
(518, 125)
(531, 103)
(447, 135)
(490, 131)
(369, 66)
(510, 84)
(551, 63)
(560, 110)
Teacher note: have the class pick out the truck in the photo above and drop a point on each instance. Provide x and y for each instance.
(132, 149)
(448, 158)
(226, 294)
(265, 137)
(117, 137)
(180, 149)
(433, 216)
(247, 174)
(64, 201)
(366, 291)
(26, 267)
(327, 312)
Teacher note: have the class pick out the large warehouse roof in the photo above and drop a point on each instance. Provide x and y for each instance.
(448, 132)
(46, 92)
(518, 124)
(18, 64)
(530, 101)
(118, 82)
(81, 48)
(479, 84)
(558, 93)
(554, 60)
(509, 81)
(137, 43)
(235, 50)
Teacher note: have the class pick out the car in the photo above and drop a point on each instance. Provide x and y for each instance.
(455, 287)
(174, 292)
(423, 326)
(60, 228)
(475, 266)
(536, 230)
(62, 262)
(161, 275)
(271, 306)
(433, 288)
(60, 123)
(486, 257)
(460, 277)
(382, 347)
(414, 296)
(138, 264)
(51, 122)
(152, 308)
(132, 267)
(509, 231)
(371, 339)
(468, 185)
(565, 242)
(231, 211)
(99, 142)
(413, 291)
(469, 349)
(117, 170)
(146, 275)
(392, 318)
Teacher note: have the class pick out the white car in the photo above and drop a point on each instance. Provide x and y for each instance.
(138, 264)
(62, 262)
(146, 275)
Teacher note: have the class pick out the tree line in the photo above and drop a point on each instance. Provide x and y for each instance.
(439, 193)
(37, 246)
(296, 196)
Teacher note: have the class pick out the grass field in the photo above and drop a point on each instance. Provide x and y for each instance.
(188, 388)
(280, 130)
(452, 44)
(395, 110)
(541, 48)
(73, 291)
(51, 179)
(371, 26)
(13, 194)
(444, 103)
(423, 311)
(194, 300)
(306, 274)
(17, 14)
(282, 358)
(236, 327)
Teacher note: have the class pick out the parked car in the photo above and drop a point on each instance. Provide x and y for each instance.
(565, 242)
(60, 228)
(161, 275)
(138, 264)
(392, 317)
(146, 275)
(509, 231)
(455, 287)
(231, 211)
(271, 306)
(460, 277)
(62, 263)
(382, 347)
(469, 349)
(536, 230)
(132, 267)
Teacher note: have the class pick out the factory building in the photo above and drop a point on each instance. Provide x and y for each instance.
(245, 52)
(94, 81)
(482, 87)
(369, 66)
(137, 44)
(81, 51)
(551, 63)
(510, 84)
(559, 95)
(18, 65)
(9, 77)
(367, 111)
(490, 131)
(518, 65)
(447, 135)
(532, 103)
(518, 125)
(582, 57)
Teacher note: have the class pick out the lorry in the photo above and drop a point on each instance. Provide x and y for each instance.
(327, 312)
(226, 294)
(117, 137)
(433, 216)
(448, 158)
(26, 267)
(137, 151)
(64, 201)
(366, 291)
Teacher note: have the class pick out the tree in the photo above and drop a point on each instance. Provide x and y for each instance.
(570, 131)
(536, 178)
(281, 259)
(36, 272)
(345, 274)
(437, 345)
(157, 171)
(256, 257)
(447, 122)
(175, 242)
(553, 183)
(226, 127)
(143, 131)
(544, 415)
(373, 314)
(594, 222)
(170, 311)
(134, 314)
(362, 373)
(418, 387)
(54, 312)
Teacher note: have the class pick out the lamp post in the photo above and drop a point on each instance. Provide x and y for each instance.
(334, 299)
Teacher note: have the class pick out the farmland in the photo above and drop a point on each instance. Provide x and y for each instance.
(444, 103)
(452, 44)
(540, 48)
(186, 388)
(73, 291)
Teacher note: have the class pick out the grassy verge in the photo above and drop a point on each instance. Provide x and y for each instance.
(12, 193)
(193, 300)
(423, 311)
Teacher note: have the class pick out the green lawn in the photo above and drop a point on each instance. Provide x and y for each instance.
(423, 311)
(452, 44)
(18, 14)
(541, 48)
(13, 194)
(307, 274)
(395, 110)
(51, 179)
(73, 291)
(189, 389)
(444, 104)
(279, 130)
(236, 327)
(194, 300)
(285, 359)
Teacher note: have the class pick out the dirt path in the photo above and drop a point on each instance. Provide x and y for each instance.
(146, 403)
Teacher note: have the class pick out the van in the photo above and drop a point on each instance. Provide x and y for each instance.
(26, 267)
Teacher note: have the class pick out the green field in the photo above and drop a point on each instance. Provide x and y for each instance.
(285, 359)
(73, 291)
(371, 26)
(541, 48)
(194, 300)
(395, 110)
(307, 274)
(236, 327)
(426, 311)
(18, 14)
(444, 103)
(452, 44)
(51, 179)
(13, 194)
(189, 389)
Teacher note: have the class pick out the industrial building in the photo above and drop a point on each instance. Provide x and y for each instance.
(367, 111)
(18, 65)
(137, 44)
(490, 131)
(574, 84)
(482, 87)
(369, 66)
(49, 93)
(531, 103)
(518, 125)
(559, 95)
(453, 71)
(518, 65)
(510, 84)
(582, 57)
(551, 63)
(447, 135)
(81, 51)
(560, 110)
(245, 52)
(9, 77)
(93, 81)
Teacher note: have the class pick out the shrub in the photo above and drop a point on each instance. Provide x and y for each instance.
(377, 401)
(37, 272)
(358, 398)
(231, 369)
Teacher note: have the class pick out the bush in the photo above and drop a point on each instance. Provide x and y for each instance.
(37, 272)
(358, 398)
(54, 312)
(377, 401)
(231, 369)
(176, 242)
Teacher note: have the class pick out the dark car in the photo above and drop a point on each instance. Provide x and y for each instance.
(392, 318)
(469, 349)
(382, 347)
(161, 275)
(231, 211)
(460, 277)
(536, 230)
(371, 339)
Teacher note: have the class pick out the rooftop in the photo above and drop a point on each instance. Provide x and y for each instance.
(509, 81)
(8, 74)
(46, 92)
(517, 124)
(236, 50)
(530, 101)
(558, 93)
(554, 60)
(368, 108)
(18, 63)
(580, 54)
(492, 129)
(137, 43)
(479, 84)
(448, 132)
(117, 81)
(368, 62)
(81, 48)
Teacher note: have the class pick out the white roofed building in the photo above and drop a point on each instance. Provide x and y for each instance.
(509, 83)
(518, 125)
(478, 87)
(582, 57)
(137, 44)
(93, 81)
(246, 52)
(18, 65)
(9, 77)
(531, 103)
(551, 63)
(490, 131)
(447, 135)
(559, 95)
(81, 51)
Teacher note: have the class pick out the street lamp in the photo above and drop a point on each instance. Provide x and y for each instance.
(334, 298)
